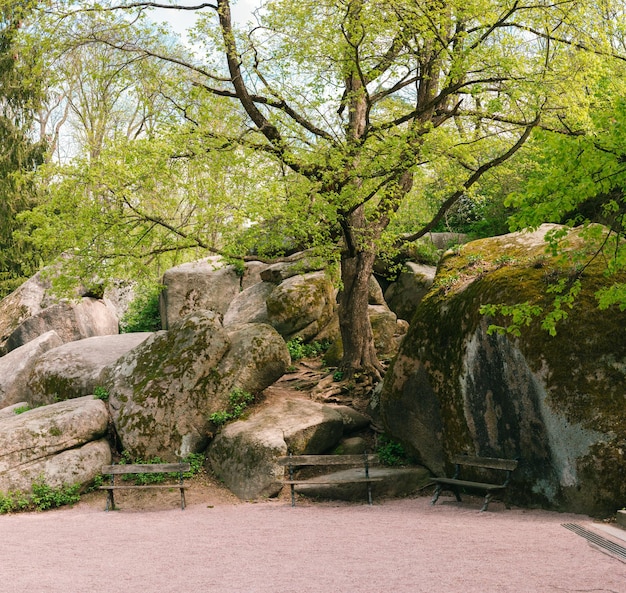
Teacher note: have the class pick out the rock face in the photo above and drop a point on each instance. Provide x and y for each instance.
(73, 369)
(71, 321)
(25, 301)
(16, 366)
(59, 444)
(302, 305)
(30, 311)
(208, 284)
(412, 285)
(557, 403)
(163, 391)
(244, 453)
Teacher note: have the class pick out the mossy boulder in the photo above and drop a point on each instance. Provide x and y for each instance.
(556, 403)
(72, 370)
(302, 305)
(61, 444)
(163, 392)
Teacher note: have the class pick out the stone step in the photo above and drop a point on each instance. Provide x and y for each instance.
(621, 519)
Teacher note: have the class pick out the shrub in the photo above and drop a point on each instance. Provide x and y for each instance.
(42, 498)
(297, 349)
(143, 313)
(390, 452)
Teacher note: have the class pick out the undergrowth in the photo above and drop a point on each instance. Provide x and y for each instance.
(41, 498)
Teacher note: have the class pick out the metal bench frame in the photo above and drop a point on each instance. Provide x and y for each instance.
(455, 483)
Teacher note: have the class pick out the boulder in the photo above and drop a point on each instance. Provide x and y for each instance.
(17, 364)
(302, 305)
(252, 273)
(557, 403)
(163, 391)
(209, 284)
(413, 283)
(58, 444)
(375, 296)
(22, 303)
(73, 369)
(250, 305)
(295, 265)
(70, 320)
(243, 454)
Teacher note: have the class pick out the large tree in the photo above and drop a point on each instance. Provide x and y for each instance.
(20, 91)
(360, 104)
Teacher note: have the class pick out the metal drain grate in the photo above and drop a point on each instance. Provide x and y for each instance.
(598, 540)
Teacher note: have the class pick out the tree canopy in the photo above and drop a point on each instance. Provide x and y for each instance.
(317, 125)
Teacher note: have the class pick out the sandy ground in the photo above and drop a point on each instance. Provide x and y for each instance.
(219, 545)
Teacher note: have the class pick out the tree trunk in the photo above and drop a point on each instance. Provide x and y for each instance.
(359, 353)
(357, 263)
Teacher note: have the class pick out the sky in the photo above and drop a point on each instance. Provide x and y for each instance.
(182, 20)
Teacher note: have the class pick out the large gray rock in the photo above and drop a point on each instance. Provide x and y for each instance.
(71, 321)
(208, 284)
(24, 302)
(557, 403)
(244, 453)
(413, 283)
(163, 392)
(73, 369)
(59, 444)
(17, 364)
(250, 305)
(297, 264)
(302, 305)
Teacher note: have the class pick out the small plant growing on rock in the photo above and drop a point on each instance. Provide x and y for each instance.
(100, 392)
(390, 452)
(238, 401)
(21, 409)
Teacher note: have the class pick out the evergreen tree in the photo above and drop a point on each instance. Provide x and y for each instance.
(20, 90)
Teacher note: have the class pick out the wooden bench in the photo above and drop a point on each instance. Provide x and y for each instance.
(294, 461)
(152, 468)
(455, 483)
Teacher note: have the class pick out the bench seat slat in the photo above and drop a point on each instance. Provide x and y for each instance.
(139, 487)
(324, 481)
(486, 462)
(468, 484)
(326, 460)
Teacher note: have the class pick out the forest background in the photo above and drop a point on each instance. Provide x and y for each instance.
(348, 127)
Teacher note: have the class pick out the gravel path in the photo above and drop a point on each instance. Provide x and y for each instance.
(395, 546)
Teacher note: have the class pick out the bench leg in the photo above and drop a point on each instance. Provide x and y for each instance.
(110, 501)
(436, 495)
(293, 495)
(182, 499)
(486, 502)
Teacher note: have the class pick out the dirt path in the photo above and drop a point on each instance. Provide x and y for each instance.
(218, 546)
